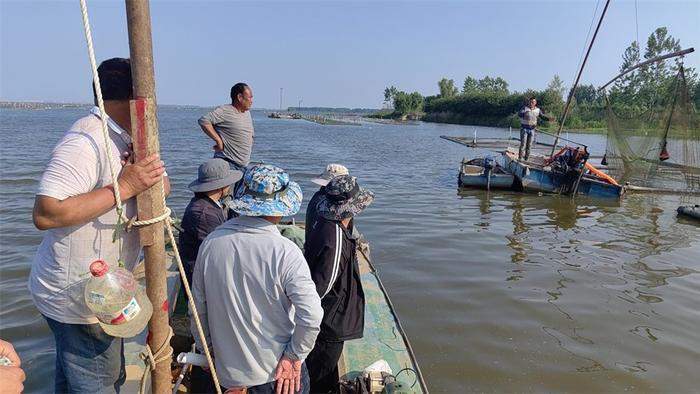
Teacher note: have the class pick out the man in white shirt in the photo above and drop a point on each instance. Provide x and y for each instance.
(257, 303)
(528, 123)
(75, 203)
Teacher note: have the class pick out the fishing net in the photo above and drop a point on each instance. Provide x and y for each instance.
(654, 137)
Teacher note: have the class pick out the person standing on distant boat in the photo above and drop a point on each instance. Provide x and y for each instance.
(330, 251)
(231, 128)
(528, 123)
(75, 203)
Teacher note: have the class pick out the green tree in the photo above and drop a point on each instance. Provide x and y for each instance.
(408, 105)
(556, 85)
(470, 86)
(447, 87)
(485, 84)
(552, 101)
(657, 77)
(389, 94)
(626, 88)
(500, 86)
(587, 95)
(646, 85)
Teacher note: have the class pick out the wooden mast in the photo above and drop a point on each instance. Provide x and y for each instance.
(144, 124)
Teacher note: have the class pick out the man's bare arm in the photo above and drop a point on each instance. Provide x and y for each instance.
(134, 178)
(208, 129)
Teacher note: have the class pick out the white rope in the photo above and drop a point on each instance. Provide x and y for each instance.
(150, 359)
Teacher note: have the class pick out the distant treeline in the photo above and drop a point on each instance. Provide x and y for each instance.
(489, 102)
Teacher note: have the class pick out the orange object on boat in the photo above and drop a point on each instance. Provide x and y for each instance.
(600, 174)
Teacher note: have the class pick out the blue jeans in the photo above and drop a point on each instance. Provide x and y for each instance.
(87, 359)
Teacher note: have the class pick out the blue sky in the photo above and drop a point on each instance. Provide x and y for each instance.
(328, 53)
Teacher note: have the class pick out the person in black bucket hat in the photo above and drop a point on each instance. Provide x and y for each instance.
(205, 211)
(330, 251)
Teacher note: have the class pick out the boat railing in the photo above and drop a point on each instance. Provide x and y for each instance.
(563, 139)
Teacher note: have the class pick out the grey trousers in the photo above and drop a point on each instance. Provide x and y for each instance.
(526, 138)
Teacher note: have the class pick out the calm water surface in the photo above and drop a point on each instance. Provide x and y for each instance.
(498, 292)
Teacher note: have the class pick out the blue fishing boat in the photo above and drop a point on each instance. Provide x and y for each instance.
(484, 173)
(541, 174)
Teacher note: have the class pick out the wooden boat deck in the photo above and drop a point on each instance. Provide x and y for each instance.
(383, 336)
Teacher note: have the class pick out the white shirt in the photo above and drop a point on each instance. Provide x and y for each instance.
(528, 116)
(255, 298)
(78, 165)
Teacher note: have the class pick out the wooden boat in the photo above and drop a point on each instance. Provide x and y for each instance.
(383, 338)
(536, 176)
(689, 211)
(483, 173)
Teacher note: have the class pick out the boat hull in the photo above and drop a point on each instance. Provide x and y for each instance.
(480, 181)
(537, 178)
(472, 174)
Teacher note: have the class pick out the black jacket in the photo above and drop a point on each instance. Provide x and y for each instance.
(330, 251)
(311, 211)
(201, 217)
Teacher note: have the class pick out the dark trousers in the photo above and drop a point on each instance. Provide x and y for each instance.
(323, 366)
(236, 189)
(202, 382)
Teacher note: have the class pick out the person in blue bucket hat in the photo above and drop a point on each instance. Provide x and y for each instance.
(248, 276)
(267, 191)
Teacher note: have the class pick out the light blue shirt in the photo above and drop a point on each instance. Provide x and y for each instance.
(255, 299)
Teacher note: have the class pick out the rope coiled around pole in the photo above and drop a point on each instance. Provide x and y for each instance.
(151, 359)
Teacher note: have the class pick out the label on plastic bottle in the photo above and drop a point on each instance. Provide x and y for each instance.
(124, 315)
(96, 298)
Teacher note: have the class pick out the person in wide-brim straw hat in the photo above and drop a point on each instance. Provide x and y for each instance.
(331, 252)
(267, 191)
(332, 170)
(344, 198)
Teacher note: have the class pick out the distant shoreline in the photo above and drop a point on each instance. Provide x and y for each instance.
(40, 105)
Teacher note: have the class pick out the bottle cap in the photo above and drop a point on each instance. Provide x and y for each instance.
(98, 268)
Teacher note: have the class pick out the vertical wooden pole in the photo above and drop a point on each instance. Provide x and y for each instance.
(144, 123)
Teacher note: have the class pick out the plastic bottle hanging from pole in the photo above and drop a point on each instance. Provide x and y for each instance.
(116, 298)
